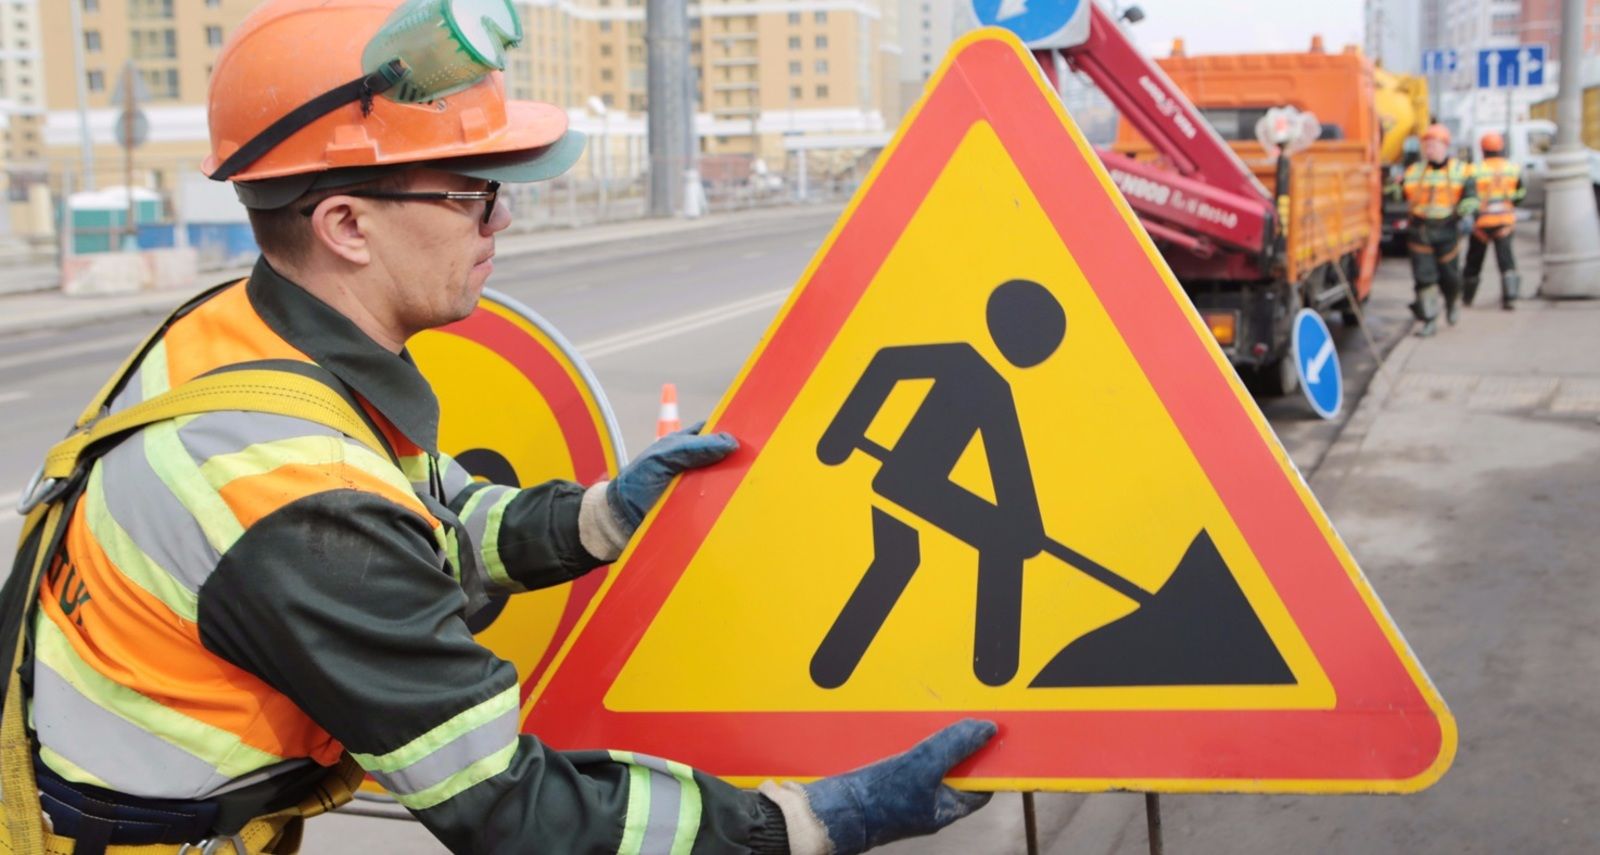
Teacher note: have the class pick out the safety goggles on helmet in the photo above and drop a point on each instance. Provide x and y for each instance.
(425, 50)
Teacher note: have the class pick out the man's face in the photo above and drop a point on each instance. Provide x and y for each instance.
(1435, 150)
(437, 254)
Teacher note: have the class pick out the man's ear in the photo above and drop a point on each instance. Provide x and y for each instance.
(336, 224)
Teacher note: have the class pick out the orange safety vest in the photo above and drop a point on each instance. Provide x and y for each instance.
(1499, 184)
(121, 674)
(1435, 192)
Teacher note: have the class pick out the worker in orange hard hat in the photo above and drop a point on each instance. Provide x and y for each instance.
(1498, 182)
(245, 576)
(1440, 192)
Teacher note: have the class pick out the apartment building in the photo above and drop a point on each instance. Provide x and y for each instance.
(1540, 23)
(169, 45)
(927, 27)
(21, 100)
(1394, 34)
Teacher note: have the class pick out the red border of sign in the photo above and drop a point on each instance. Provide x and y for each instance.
(577, 422)
(1383, 733)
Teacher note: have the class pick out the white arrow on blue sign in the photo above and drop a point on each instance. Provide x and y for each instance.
(1317, 360)
(1038, 23)
(1512, 66)
(1438, 61)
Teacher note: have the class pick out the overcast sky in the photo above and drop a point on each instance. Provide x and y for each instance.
(1246, 26)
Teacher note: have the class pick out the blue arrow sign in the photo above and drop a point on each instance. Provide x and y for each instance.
(1318, 362)
(1036, 22)
(1438, 61)
(1512, 66)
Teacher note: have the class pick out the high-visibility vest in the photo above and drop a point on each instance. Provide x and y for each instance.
(130, 680)
(1499, 184)
(1435, 192)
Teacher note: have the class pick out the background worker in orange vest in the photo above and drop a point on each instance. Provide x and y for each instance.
(1498, 182)
(1439, 189)
(238, 599)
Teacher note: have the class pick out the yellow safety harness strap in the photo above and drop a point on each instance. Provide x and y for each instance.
(250, 390)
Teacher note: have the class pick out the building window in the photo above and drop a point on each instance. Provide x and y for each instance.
(794, 17)
(605, 50)
(636, 103)
(822, 66)
(214, 36)
(155, 44)
(97, 81)
(606, 75)
(162, 82)
(605, 26)
(150, 8)
(794, 43)
(91, 41)
(822, 41)
(796, 93)
(91, 5)
(794, 67)
(213, 4)
(820, 17)
(822, 91)
(926, 24)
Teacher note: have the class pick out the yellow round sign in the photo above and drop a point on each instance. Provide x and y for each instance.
(518, 407)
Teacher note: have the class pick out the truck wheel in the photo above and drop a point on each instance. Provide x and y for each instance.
(1278, 377)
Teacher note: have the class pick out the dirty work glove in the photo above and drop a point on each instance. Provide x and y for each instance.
(892, 799)
(611, 511)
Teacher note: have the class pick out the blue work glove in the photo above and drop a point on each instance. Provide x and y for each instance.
(637, 487)
(892, 799)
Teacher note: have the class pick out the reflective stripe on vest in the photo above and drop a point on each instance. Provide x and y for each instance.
(1434, 193)
(1497, 180)
(123, 684)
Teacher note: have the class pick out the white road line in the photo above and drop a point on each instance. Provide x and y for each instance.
(67, 350)
(9, 397)
(640, 336)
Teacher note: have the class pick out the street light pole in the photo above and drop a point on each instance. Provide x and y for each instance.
(669, 120)
(86, 141)
(1572, 225)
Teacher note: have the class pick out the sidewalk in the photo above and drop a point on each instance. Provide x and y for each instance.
(1467, 485)
(42, 310)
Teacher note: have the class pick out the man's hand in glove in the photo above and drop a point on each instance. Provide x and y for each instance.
(892, 799)
(611, 511)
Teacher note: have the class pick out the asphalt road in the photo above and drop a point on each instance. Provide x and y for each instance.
(686, 309)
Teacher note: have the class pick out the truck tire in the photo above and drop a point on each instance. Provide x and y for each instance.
(1278, 377)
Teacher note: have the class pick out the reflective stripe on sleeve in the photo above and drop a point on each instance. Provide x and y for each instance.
(470, 748)
(663, 806)
(482, 515)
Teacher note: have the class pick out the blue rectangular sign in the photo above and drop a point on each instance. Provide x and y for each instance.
(1512, 66)
(1438, 61)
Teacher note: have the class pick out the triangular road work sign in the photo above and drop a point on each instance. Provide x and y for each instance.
(994, 465)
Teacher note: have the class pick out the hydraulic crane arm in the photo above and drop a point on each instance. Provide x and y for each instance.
(1207, 197)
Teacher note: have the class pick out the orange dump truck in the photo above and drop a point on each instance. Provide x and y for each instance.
(1328, 193)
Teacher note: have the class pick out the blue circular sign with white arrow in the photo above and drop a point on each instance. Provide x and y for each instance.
(1038, 23)
(1317, 360)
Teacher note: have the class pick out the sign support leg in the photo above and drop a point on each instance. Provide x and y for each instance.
(1152, 820)
(1030, 823)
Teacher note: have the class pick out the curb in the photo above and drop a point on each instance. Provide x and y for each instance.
(1345, 452)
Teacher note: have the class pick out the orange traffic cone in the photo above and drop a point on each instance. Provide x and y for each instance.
(668, 421)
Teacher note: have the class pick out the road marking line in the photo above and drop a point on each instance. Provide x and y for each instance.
(614, 344)
(68, 350)
(9, 397)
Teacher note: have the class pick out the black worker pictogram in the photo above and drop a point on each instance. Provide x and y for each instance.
(1198, 629)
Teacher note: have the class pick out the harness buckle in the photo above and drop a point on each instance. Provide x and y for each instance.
(41, 490)
(213, 846)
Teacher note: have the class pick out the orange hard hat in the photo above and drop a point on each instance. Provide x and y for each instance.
(308, 87)
(1436, 132)
(1492, 142)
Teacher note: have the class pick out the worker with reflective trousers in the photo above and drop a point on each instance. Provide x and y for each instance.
(245, 575)
(1440, 191)
(1498, 183)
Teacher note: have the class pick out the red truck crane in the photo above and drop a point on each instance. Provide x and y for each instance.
(1249, 257)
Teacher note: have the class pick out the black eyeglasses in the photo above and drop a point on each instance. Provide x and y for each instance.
(488, 196)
